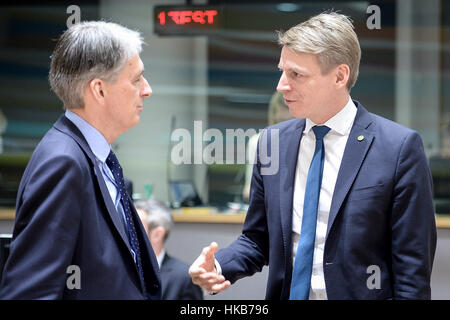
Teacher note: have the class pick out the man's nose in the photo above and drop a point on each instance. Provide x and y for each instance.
(283, 84)
(146, 90)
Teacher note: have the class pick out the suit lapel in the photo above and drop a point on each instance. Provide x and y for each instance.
(290, 147)
(66, 126)
(358, 144)
(166, 265)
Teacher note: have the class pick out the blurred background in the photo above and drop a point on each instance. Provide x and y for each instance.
(224, 74)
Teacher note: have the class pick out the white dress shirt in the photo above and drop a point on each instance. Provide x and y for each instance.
(160, 257)
(334, 143)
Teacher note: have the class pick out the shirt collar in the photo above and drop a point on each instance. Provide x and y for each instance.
(341, 122)
(96, 141)
(160, 257)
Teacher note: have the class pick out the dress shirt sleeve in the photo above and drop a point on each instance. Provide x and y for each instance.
(218, 267)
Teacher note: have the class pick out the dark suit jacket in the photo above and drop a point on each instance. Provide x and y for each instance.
(176, 282)
(65, 216)
(381, 214)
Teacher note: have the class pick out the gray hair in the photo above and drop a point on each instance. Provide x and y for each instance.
(89, 50)
(330, 36)
(158, 215)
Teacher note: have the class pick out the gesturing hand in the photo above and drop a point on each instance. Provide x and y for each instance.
(203, 272)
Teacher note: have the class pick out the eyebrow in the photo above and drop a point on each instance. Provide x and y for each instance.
(294, 68)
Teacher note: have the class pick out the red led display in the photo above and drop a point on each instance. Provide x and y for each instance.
(187, 20)
(187, 16)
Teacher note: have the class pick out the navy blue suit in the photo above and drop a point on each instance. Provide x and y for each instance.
(176, 281)
(381, 214)
(65, 216)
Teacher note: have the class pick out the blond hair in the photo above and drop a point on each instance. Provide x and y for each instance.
(331, 37)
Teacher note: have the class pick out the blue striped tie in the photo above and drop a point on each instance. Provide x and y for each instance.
(301, 275)
(113, 163)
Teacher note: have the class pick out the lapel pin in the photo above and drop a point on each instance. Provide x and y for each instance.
(360, 138)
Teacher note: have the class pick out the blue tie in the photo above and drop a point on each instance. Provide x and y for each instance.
(113, 164)
(301, 275)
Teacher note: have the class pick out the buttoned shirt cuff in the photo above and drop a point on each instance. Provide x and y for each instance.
(218, 271)
(218, 267)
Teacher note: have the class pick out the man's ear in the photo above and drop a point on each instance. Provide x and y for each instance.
(342, 73)
(97, 88)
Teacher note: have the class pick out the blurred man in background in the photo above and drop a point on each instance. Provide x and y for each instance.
(158, 223)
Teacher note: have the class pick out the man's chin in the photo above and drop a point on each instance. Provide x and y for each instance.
(297, 113)
(133, 123)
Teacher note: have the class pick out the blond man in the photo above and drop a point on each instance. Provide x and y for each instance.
(349, 214)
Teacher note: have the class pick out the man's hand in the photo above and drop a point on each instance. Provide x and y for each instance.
(203, 271)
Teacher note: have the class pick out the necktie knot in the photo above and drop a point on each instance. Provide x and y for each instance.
(320, 131)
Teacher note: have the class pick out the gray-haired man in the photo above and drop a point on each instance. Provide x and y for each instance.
(175, 279)
(77, 234)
